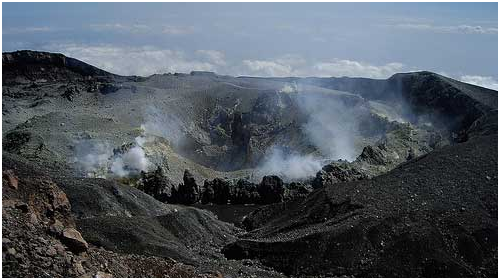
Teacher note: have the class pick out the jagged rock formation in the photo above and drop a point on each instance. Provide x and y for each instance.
(216, 191)
(271, 190)
(244, 192)
(188, 192)
(157, 185)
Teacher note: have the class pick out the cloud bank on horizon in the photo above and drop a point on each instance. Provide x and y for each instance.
(147, 60)
(265, 39)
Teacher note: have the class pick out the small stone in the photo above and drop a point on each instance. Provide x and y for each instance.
(79, 268)
(56, 228)
(33, 218)
(59, 248)
(51, 251)
(11, 251)
(60, 201)
(14, 203)
(488, 178)
(6, 241)
(12, 180)
(101, 274)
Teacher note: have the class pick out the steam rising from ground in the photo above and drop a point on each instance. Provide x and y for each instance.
(98, 158)
(290, 166)
(131, 161)
(162, 124)
(331, 126)
(92, 157)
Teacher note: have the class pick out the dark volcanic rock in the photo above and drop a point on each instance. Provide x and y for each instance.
(485, 125)
(157, 185)
(241, 137)
(372, 155)
(271, 190)
(70, 93)
(244, 192)
(34, 65)
(337, 172)
(187, 192)
(216, 191)
(296, 190)
(434, 216)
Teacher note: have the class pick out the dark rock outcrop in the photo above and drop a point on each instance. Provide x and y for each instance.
(241, 137)
(337, 172)
(34, 65)
(216, 191)
(157, 185)
(187, 192)
(244, 192)
(271, 190)
(296, 190)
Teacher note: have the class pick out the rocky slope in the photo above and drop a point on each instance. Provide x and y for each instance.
(40, 239)
(134, 233)
(435, 216)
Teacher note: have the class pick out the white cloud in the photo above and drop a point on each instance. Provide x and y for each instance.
(142, 28)
(141, 61)
(119, 27)
(213, 56)
(463, 29)
(297, 66)
(355, 68)
(148, 60)
(34, 29)
(267, 68)
(483, 81)
(177, 30)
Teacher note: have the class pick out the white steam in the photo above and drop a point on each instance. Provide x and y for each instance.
(288, 88)
(92, 157)
(332, 125)
(162, 124)
(132, 161)
(290, 166)
(95, 158)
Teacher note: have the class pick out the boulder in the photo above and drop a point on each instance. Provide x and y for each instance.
(73, 240)
(297, 190)
(244, 192)
(336, 172)
(59, 200)
(157, 185)
(373, 155)
(271, 190)
(188, 192)
(216, 191)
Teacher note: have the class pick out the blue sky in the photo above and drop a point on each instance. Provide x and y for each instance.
(265, 39)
